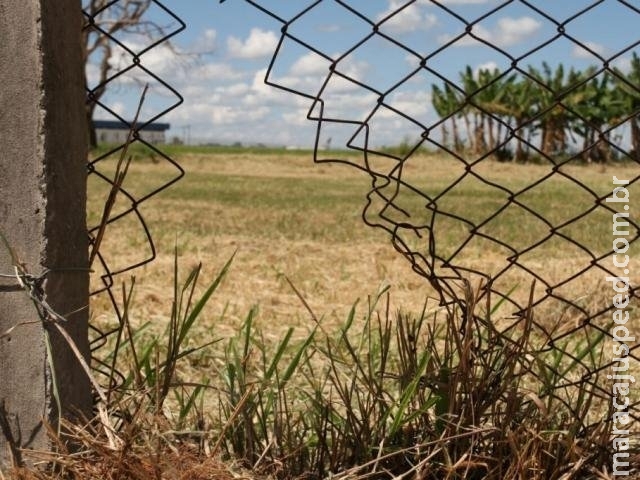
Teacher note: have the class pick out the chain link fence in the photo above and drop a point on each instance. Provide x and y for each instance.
(118, 38)
(556, 239)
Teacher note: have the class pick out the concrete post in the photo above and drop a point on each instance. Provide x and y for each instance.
(42, 216)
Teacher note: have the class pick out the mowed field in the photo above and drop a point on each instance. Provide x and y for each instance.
(285, 217)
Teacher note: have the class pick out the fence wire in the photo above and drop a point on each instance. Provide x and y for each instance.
(521, 111)
(118, 36)
(571, 122)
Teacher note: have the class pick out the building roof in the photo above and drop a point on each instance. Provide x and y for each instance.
(118, 125)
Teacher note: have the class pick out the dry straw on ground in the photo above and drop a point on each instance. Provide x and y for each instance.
(303, 257)
(285, 216)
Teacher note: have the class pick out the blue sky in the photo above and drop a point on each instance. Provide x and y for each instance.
(219, 62)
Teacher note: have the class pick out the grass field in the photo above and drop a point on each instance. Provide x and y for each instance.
(287, 217)
(283, 216)
(294, 383)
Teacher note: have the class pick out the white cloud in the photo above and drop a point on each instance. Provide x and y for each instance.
(215, 71)
(349, 105)
(465, 41)
(236, 90)
(513, 30)
(416, 104)
(223, 107)
(262, 94)
(490, 66)
(310, 64)
(230, 115)
(160, 60)
(93, 74)
(508, 32)
(580, 52)
(258, 85)
(623, 64)
(409, 19)
(307, 75)
(353, 68)
(205, 43)
(260, 43)
(296, 117)
(329, 28)
(120, 108)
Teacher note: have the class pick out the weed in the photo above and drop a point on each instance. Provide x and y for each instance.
(444, 393)
(440, 395)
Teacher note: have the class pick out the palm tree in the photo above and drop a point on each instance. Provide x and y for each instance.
(599, 108)
(439, 102)
(471, 113)
(518, 100)
(454, 102)
(550, 104)
(545, 106)
(492, 101)
(554, 94)
(627, 95)
(446, 101)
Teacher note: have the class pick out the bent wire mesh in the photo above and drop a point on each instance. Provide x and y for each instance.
(119, 37)
(545, 240)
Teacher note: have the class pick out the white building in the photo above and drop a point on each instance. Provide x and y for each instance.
(116, 132)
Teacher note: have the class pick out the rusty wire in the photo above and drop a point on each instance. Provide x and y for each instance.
(130, 64)
(416, 231)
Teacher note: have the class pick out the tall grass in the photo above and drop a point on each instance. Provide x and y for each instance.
(442, 393)
(438, 395)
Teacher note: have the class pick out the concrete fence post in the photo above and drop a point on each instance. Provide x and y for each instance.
(43, 152)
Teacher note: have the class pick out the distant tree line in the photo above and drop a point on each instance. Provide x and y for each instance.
(552, 111)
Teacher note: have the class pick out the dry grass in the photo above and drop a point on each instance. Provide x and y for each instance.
(326, 251)
(286, 216)
(379, 393)
(148, 462)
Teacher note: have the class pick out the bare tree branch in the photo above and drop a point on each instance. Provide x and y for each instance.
(105, 21)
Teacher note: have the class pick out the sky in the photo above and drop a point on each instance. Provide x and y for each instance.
(219, 62)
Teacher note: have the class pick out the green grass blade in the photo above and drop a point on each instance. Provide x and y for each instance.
(200, 304)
